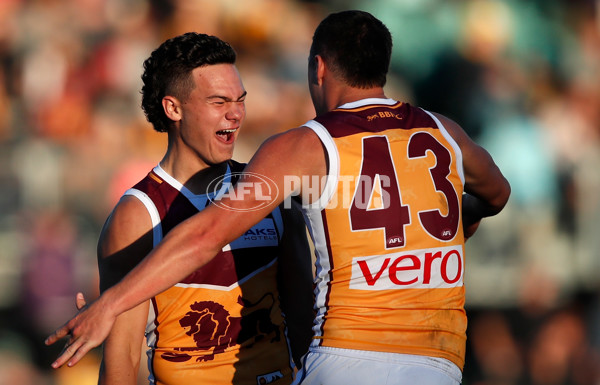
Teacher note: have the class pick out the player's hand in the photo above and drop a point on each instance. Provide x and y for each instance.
(473, 210)
(470, 228)
(88, 329)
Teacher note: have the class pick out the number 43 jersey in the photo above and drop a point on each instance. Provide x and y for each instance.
(388, 233)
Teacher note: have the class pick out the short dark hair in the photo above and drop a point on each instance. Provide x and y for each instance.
(168, 71)
(356, 46)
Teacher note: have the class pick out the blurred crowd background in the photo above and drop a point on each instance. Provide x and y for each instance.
(522, 77)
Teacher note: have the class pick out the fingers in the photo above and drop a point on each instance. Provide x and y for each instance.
(74, 349)
(79, 354)
(80, 301)
(72, 354)
(57, 335)
(86, 330)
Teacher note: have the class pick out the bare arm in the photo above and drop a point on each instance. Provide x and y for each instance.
(194, 242)
(487, 190)
(122, 347)
(296, 282)
(124, 241)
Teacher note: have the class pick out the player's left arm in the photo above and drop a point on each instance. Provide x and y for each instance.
(295, 280)
(124, 241)
(486, 188)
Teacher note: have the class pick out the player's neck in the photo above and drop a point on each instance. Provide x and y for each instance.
(195, 175)
(350, 94)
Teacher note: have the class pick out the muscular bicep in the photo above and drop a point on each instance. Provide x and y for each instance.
(125, 240)
(290, 160)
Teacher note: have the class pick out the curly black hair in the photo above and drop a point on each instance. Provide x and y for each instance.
(168, 71)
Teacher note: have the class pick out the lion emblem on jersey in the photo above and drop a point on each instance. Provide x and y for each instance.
(214, 329)
(208, 323)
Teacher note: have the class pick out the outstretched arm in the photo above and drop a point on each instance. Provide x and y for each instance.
(194, 242)
(184, 249)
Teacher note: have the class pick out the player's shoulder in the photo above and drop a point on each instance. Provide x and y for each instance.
(128, 219)
(454, 129)
(299, 138)
(129, 204)
(444, 119)
(125, 239)
(301, 146)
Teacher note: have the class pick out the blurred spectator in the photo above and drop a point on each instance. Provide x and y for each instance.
(54, 269)
(496, 358)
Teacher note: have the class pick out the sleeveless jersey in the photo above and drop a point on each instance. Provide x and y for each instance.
(222, 324)
(388, 233)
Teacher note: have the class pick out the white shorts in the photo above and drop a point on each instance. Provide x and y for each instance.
(332, 366)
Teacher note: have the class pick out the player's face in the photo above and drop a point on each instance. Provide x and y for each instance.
(213, 113)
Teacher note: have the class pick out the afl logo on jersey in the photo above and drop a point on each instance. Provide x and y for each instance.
(257, 188)
(395, 241)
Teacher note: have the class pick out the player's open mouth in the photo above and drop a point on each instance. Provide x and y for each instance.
(226, 135)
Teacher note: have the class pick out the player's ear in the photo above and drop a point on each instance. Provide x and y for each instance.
(320, 67)
(316, 69)
(172, 108)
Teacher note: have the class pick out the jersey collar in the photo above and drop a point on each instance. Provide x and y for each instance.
(365, 102)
